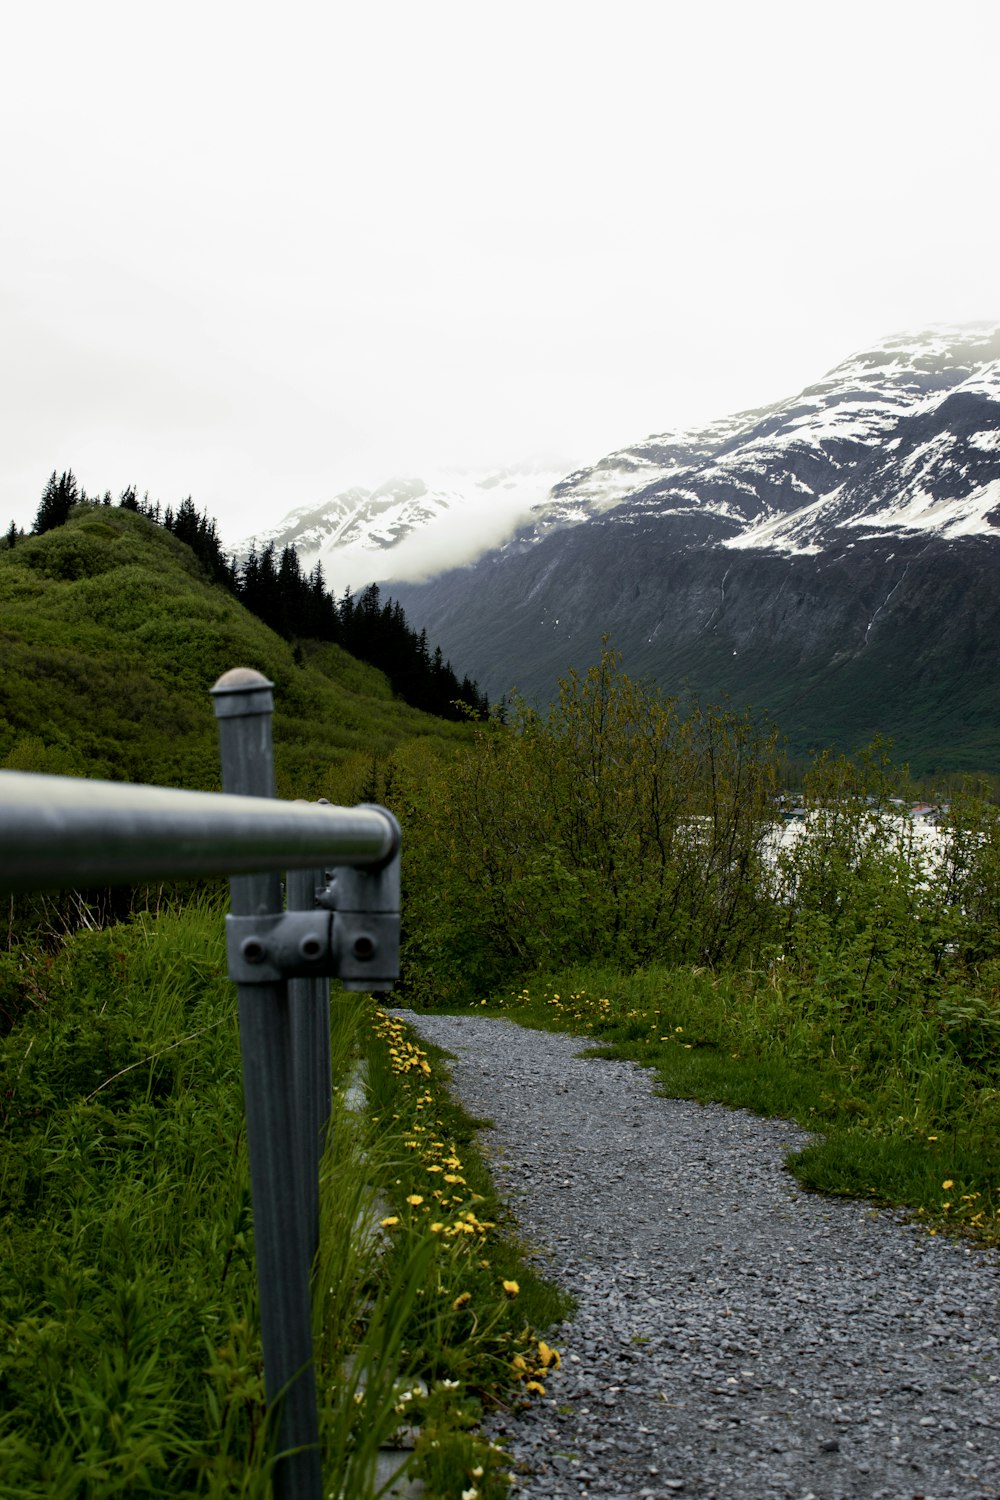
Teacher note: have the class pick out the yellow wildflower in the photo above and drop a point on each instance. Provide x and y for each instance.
(511, 1288)
(388, 1222)
(415, 1198)
(948, 1184)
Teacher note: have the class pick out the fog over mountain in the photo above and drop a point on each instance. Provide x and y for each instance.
(897, 437)
(410, 528)
(833, 559)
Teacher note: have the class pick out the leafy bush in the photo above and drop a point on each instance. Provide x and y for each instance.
(616, 825)
(877, 918)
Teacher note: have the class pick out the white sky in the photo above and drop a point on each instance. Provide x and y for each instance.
(257, 253)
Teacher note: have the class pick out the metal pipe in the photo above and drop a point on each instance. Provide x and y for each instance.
(309, 1009)
(62, 831)
(243, 702)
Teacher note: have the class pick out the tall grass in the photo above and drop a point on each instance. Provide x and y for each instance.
(130, 1353)
(127, 1302)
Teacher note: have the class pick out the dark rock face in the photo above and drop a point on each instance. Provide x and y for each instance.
(897, 638)
(833, 561)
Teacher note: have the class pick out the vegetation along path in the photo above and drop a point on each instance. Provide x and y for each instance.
(734, 1336)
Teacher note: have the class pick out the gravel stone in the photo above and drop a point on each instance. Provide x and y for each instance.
(744, 1338)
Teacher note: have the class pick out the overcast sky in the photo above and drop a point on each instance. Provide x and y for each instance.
(257, 253)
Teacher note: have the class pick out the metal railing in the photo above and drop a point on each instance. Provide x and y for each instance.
(341, 920)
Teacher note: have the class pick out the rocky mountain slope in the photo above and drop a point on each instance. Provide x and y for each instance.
(833, 559)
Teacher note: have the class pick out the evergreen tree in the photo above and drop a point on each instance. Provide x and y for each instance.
(58, 498)
(297, 605)
(185, 523)
(322, 618)
(248, 591)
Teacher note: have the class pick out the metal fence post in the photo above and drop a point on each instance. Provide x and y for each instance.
(243, 706)
(312, 1099)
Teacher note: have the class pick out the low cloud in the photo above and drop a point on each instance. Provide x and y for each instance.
(478, 520)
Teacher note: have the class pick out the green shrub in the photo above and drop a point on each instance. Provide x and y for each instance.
(616, 825)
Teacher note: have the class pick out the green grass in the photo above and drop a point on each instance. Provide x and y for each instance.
(130, 1355)
(112, 636)
(470, 1338)
(125, 1220)
(900, 1115)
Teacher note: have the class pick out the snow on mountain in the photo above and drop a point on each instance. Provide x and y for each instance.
(937, 472)
(903, 438)
(831, 559)
(657, 461)
(409, 528)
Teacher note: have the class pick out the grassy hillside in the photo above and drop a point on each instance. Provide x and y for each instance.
(111, 637)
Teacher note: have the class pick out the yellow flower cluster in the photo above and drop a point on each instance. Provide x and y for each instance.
(966, 1213)
(433, 1198)
(576, 1007)
(447, 1189)
(528, 1370)
(404, 1055)
(970, 1209)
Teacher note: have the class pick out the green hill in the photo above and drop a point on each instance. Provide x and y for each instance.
(112, 635)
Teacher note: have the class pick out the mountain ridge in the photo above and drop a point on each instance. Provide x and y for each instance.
(801, 445)
(831, 559)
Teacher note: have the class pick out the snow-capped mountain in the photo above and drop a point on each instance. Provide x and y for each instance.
(409, 527)
(368, 519)
(834, 558)
(905, 436)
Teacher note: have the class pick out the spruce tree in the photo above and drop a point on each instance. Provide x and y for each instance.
(58, 498)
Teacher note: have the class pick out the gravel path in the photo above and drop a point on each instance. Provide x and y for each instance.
(735, 1339)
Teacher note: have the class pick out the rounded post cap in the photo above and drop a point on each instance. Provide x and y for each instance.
(242, 691)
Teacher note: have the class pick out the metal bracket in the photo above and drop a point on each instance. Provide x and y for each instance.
(367, 948)
(365, 904)
(284, 945)
(353, 935)
(359, 948)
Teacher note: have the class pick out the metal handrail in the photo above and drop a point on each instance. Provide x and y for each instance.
(61, 831)
(341, 920)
